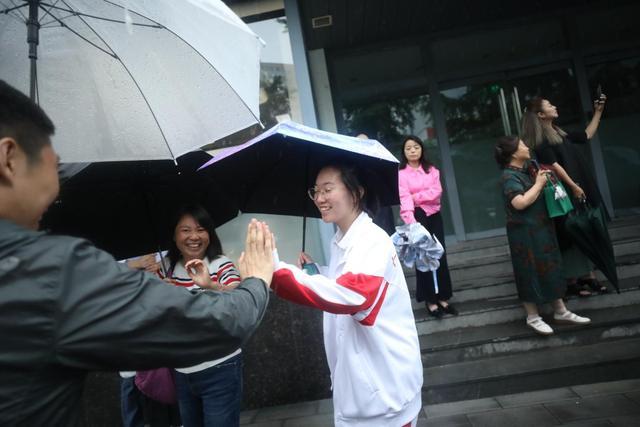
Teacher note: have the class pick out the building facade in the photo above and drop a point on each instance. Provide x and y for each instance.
(458, 74)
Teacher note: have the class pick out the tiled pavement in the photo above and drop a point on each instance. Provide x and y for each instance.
(603, 404)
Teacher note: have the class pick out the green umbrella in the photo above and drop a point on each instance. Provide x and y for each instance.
(588, 230)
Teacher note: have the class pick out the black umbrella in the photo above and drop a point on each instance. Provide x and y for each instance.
(588, 230)
(127, 208)
(272, 172)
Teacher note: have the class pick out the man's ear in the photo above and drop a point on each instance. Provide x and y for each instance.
(9, 153)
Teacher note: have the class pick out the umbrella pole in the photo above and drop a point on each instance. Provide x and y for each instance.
(154, 228)
(304, 209)
(304, 231)
(33, 28)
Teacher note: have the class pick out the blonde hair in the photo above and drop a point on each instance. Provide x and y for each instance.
(533, 133)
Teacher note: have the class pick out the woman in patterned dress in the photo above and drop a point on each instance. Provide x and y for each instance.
(536, 259)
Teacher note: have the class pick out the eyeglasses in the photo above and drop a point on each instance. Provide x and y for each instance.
(315, 192)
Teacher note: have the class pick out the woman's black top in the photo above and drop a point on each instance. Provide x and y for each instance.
(572, 158)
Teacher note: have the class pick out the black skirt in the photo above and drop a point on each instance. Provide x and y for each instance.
(425, 285)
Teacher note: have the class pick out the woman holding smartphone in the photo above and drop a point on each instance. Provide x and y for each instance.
(557, 148)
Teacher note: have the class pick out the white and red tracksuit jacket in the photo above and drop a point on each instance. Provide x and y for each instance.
(370, 334)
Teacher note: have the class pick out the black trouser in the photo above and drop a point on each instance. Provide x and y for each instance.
(425, 285)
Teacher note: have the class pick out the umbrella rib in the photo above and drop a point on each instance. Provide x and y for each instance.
(115, 56)
(61, 18)
(87, 15)
(15, 7)
(198, 53)
(54, 4)
(15, 17)
(62, 24)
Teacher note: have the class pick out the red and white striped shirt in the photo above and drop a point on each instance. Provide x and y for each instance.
(222, 271)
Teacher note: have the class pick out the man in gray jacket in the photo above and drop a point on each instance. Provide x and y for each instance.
(67, 308)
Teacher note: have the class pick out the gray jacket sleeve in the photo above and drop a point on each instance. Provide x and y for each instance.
(111, 317)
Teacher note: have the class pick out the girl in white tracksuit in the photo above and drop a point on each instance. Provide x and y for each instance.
(369, 329)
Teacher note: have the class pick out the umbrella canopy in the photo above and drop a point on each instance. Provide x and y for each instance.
(588, 230)
(132, 79)
(272, 172)
(128, 208)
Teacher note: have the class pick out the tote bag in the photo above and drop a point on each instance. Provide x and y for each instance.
(556, 198)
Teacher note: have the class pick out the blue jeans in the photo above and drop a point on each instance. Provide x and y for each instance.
(212, 397)
(131, 403)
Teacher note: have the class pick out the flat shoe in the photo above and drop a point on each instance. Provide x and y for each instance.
(449, 309)
(578, 290)
(570, 318)
(437, 313)
(540, 326)
(594, 285)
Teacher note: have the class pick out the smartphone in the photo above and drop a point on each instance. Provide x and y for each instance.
(310, 268)
(598, 91)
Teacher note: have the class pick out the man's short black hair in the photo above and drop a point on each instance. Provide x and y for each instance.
(24, 121)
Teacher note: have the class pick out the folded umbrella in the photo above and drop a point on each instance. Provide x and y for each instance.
(417, 247)
(587, 228)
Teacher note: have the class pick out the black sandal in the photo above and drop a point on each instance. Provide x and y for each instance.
(437, 313)
(594, 285)
(579, 290)
(449, 309)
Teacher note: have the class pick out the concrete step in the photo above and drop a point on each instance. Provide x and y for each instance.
(533, 370)
(476, 245)
(619, 227)
(624, 245)
(502, 285)
(473, 343)
(478, 270)
(508, 309)
(504, 288)
(488, 350)
(501, 264)
(622, 232)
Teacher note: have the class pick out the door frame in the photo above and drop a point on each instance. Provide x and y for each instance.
(576, 62)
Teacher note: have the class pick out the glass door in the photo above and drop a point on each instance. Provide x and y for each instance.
(389, 120)
(477, 114)
(619, 129)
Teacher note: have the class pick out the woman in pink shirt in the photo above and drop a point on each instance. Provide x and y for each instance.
(420, 192)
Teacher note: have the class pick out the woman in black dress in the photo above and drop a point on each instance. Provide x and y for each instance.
(420, 201)
(556, 148)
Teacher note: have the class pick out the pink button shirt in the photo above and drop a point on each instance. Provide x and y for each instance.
(419, 189)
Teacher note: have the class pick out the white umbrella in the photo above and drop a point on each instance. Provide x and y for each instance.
(132, 80)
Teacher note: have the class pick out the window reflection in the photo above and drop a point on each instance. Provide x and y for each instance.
(279, 98)
(619, 128)
(388, 121)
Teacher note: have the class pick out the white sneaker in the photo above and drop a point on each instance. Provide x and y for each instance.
(539, 325)
(570, 318)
